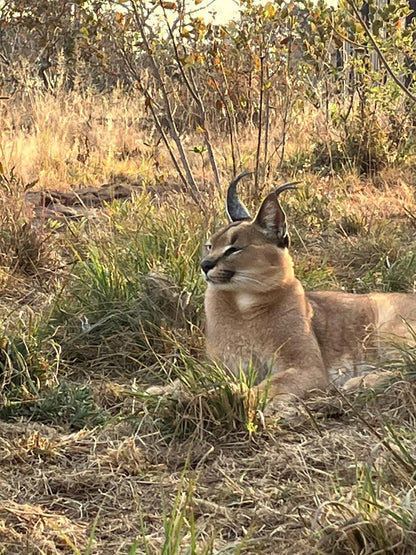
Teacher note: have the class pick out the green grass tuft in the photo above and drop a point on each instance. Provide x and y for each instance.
(67, 405)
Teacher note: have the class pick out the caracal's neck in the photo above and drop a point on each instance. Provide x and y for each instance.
(251, 304)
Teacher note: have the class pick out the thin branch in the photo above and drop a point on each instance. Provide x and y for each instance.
(193, 89)
(150, 103)
(169, 116)
(207, 137)
(231, 122)
(288, 99)
(260, 125)
(343, 37)
(266, 125)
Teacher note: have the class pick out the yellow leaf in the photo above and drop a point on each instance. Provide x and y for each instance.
(256, 62)
(200, 129)
(269, 10)
(189, 60)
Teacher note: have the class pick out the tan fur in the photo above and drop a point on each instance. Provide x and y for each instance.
(258, 314)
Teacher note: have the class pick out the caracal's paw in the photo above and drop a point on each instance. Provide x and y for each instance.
(284, 407)
(273, 405)
(369, 381)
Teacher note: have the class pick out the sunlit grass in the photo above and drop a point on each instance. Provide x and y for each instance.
(115, 299)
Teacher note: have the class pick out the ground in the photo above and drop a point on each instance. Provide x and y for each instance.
(321, 481)
(101, 297)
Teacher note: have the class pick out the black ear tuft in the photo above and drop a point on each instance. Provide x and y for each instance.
(236, 210)
(286, 242)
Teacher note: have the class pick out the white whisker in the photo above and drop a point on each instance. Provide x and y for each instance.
(241, 276)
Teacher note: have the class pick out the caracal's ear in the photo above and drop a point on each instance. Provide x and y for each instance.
(271, 219)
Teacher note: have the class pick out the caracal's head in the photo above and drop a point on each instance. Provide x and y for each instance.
(250, 255)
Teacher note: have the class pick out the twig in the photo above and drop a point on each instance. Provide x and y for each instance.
(150, 103)
(287, 103)
(266, 125)
(193, 89)
(260, 125)
(231, 121)
(169, 116)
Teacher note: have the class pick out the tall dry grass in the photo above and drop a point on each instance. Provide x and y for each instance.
(66, 139)
(70, 139)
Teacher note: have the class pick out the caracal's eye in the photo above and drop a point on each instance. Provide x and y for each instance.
(208, 247)
(232, 250)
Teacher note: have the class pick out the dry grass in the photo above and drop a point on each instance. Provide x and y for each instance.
(72, 139)
(300, 486)
(94, 313)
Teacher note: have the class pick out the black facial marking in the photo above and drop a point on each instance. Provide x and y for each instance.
(224, 276)
(236, 224)
(231, 250)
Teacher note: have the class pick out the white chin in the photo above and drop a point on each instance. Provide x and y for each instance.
(222, 286)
